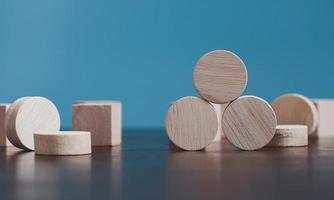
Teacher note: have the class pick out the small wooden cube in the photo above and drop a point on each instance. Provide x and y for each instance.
(102, 118)
(325, 109)
(3, 137)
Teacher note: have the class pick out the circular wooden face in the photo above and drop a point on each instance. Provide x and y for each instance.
(296, 109)
(62, 142)
(10, 122)
(191, 123)
(220, 76)
(249, 123)
(290, 136)
(32, 114)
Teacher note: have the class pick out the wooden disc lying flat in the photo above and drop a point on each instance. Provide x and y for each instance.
(296, 109)
(290, 136)
(191, 123)
(220, 76)
(249, 123)
(63, 143)
(28, 115)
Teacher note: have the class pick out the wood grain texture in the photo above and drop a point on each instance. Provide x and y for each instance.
(290, 136)
(325, 125)
(102, 118)
(63, 143)
(27, 115)
(191, 123)
(296, 109)
(3, 136)
(249, 123)
(220, 76)
(219, 108)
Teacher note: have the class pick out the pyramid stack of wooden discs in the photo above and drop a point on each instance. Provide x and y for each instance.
(248, 122)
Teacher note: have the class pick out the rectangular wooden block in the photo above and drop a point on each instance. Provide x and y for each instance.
(102, 118)
(3, 137)
(219, 108)
(325, 127)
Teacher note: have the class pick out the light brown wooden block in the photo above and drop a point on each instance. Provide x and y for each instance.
(220, 76)
(27, 115)
(102, 118)
(249, 123)
(296, 109)
(3, 136)
(63, 143)
(325, 108)
(219, 108)
(290, 136)
(191, 123)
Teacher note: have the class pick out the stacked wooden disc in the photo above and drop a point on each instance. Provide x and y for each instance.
(191, 123)
(249, 123)
(28, 115)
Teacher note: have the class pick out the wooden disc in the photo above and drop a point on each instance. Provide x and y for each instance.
(63, 143)
(249, 123)
(296, 109)
(220, 76)
(10, 122)
(191, 123)
(290, 136)
(28, 115)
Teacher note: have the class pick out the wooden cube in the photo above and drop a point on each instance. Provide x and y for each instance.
(325, 109)
(102, 118)
(3, 137)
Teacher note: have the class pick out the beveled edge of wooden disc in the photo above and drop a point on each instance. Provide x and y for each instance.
(311, 105)
(166, 122)
(243, 65)
(61, 133)
(263, 101)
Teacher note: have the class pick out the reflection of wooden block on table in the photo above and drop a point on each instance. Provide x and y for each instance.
(102, 118)
(3, 137)
(325, 109)
(219, 108)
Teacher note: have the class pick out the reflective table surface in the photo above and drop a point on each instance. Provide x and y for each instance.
(144, 167)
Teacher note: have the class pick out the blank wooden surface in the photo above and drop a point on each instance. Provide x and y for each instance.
(28, 115)
(102, 118)
(191, 123)
(62, 143)
(296, 109)
(249, 123)
(290, 136)
(143, 167)
(220, 76)
(325, 126)
(3, 136)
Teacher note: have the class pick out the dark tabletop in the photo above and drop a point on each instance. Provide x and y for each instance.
(145, 168)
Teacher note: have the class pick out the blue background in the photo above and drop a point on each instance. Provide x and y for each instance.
(143, 52)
